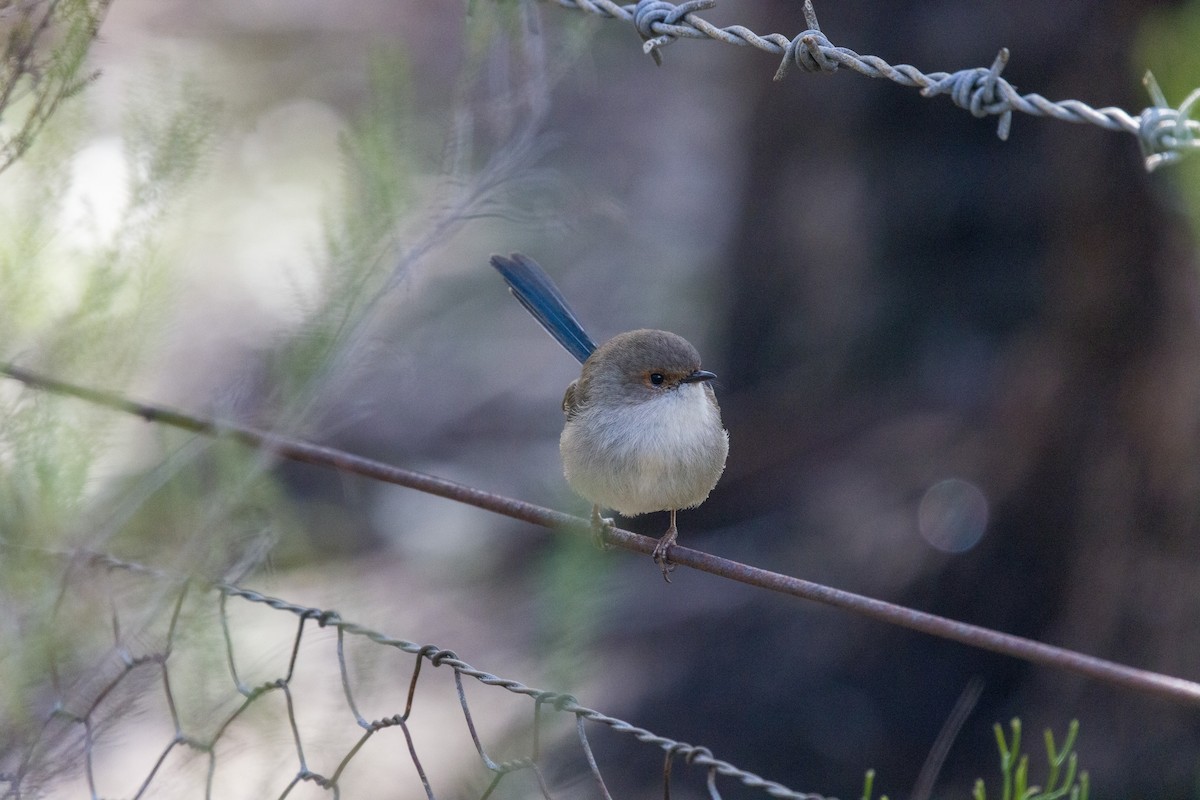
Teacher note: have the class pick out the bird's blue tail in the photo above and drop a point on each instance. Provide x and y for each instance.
(530, 284)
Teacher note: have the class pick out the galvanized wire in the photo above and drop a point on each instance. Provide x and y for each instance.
(81, 708)
(1166, 134)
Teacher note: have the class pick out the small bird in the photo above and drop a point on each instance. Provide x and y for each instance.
(643, 430)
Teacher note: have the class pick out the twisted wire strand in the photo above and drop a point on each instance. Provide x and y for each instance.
(1166, 134)
(692, 754)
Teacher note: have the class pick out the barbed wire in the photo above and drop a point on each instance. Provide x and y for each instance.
(1165, 134)
(1163, 686)
(82, 708)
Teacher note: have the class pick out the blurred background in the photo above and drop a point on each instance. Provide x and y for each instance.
(958, 373)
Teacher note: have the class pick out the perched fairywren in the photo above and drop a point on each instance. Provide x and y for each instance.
(643, 430)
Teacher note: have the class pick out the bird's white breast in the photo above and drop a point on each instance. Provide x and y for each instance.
(665, 453)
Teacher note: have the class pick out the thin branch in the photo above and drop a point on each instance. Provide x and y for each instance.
(50, 73)
(1160, 685)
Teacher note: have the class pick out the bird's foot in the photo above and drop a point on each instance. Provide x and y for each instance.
(662, 552)
(601, 526)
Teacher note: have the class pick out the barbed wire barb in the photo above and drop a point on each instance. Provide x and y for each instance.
(1168, 133)
(1165, 134)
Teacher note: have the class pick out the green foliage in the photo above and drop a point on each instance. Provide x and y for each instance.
(869, 786)
(1167, 47)
(1062, 781)
(167, 150)
(84, 298)
(80, 303)
(572, 579)
(82, 291)
(45, 46)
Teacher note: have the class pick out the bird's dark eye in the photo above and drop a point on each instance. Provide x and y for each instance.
(657, 378)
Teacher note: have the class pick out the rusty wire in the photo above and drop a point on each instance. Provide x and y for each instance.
(81, 706)
(1167, 687)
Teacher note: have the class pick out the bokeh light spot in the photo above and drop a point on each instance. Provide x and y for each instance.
(953, 515)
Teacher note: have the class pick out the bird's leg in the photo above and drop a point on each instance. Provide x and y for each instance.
(662, 549)
(600, 528)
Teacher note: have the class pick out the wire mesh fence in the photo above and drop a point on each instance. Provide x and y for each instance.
(161, 685)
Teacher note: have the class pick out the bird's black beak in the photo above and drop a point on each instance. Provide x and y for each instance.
(700, 375)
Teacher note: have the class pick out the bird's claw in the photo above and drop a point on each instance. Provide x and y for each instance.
(662, 552)
(601, 527)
